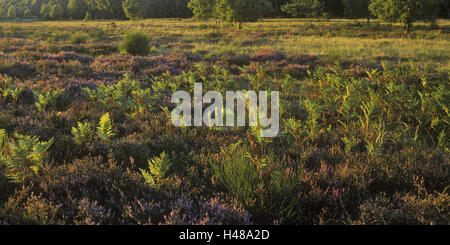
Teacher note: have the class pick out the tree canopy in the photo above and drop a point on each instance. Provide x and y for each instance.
(237, 11)
(405, 11)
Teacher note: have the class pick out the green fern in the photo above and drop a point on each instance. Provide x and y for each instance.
(126, 96)
(43, 99)
(3, 143)
(159, 167)
(292, 129)
(3, 139)
(104, 129)
(13, 92)
(82, 133)
(24, 156)
(6, 83)
(349, 143)
(102, 94)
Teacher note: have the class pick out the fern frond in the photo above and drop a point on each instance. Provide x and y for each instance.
(148, 177)
(43, 99)
(25, 155)
(104, 129)
(3, 139)
(81, 133)
(159, 167)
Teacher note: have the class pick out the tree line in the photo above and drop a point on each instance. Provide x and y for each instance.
(237, 11)
(94, 9)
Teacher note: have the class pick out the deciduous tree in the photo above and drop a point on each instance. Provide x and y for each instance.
(135, 9)
(357, 9)
(203, 9)
(405, 11)
(304, 8)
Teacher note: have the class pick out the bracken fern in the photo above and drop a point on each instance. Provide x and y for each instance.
(104, 129)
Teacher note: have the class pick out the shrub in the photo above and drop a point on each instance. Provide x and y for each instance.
(260, 183)
(78, 38)
(135, 43)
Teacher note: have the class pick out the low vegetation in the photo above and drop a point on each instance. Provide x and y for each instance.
(86, 135)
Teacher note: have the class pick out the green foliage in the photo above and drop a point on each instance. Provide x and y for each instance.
(3, 140)
(159, 167)
(135, 43)
(102, 94)
(7, 89)
(23, 155)
(304, 8)
(138, 9)
(402, 103)
(77, 8)
(82, 133)
(104, 129)
(240, 11)
(258, 183)
(44, 99)
(203, 9)
(126, 95)
(56, 12)
(78, 38)
(135, 9)
(45, 11)
(237, 174)
(12, 12)
(13, 92)
(405, 11)
(356, 8)
(349, 132)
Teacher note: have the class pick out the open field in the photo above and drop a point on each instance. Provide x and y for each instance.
(364, 135)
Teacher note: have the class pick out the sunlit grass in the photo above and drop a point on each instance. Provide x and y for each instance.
(335, 40)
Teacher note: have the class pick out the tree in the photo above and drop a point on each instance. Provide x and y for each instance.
(333, 8)
(45, 11)
(241, 11)
(135, 9)
(356, 9)
(303, 8)
(56, 12)
(405, 11)
(220, 11)
(109, 8)
(27, 13)
(77, 9)
(12, 12)
(202, 9)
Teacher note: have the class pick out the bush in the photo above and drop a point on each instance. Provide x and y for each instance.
(135, 43)
(267, 190)
(78, 38)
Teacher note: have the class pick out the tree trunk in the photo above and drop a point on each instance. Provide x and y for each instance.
(368, 20)
(408, 27)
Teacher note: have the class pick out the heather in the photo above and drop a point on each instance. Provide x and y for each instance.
(86, 135)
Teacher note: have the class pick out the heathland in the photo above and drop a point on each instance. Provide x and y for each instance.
(86, 135)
